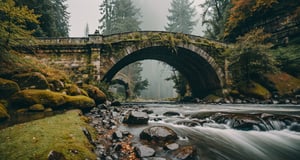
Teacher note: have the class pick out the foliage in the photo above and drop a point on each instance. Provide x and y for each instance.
(118, 16)
(13, 20)
(289, 59)
(214, 17)
(180, 83)
(251, 57)
(180, 20)
(54, 19)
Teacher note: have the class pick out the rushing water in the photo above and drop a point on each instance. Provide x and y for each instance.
(272, 139)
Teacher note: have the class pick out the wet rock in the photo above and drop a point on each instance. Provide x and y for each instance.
(185, 153)
(34, 80)
(134, 117)
(189, 123)
(54, 155)
(88, 135)
(148, 111)
(295, 127)
(172, 146)
(171, 113)
(37, 108)
(159, 134)
(144, 151)
(117, 135)
(116, 103)
(154, 158)
(7, 88)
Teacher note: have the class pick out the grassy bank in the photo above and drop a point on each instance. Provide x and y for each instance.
(34, 140)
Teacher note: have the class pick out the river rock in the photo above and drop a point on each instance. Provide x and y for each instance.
(159, 134)
(8, 88)
(33, 80)
(144, 151)
(189, 123)
(295, 127)
(171, 113)
(55, 84)
(135, 117)
(185, 153)
(172, 146)
(117, 135)
(116, 103)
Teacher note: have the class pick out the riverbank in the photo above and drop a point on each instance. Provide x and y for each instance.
(36, 139)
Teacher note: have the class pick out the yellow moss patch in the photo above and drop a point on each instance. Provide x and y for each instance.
(284, 83)
(3, 113)
(255, 90)
(55, 100)
(34, 140)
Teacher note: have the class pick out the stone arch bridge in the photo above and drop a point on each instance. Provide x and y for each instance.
(99, 57)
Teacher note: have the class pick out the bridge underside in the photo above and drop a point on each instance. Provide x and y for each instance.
(202, 78)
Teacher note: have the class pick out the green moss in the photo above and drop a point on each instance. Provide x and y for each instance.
(3, 113)
(34, 140)
(255, 90)
(37, 108)
(95, 93)
(54, 100)
(80, 102)
(26, 98)
(31, 80)
(8, 88)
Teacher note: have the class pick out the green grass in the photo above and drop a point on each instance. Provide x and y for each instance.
(34, 140)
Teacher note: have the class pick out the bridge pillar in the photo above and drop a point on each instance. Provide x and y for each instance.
(94, 73)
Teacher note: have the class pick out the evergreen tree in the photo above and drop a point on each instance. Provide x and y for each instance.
(119, 16)
(54, 18)
(86, 30)
(214, 17)
(181, 18)
(13, 20)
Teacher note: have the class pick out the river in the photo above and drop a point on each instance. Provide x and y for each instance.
(264, 134)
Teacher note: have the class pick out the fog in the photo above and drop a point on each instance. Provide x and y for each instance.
(154, 18)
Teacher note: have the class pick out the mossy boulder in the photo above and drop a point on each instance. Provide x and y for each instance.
(74, 90)
(37, 108)
(95, 93)
(7, 88)
(29, 97)
(212, 99)
(55, 84)
(33, 80)
(49, 99)
(80, 102)
(3, 113)
(253, 89)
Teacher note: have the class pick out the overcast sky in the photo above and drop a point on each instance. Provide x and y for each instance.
(153, 13)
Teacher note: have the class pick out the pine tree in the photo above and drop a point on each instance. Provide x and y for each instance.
(214, 17)
(54, 18)
(86, 30)
(118, 16)
(13, 20)
(181, 18)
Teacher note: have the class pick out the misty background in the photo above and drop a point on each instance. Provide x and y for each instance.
(154, 18)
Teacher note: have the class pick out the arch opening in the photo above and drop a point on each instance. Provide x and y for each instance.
(203, 79)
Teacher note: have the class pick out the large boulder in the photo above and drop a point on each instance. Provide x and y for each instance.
(255, 90)
(27, 98)
(74, 90)
(160, 134)
(55, 84)
(80, 102)
(33, 80)
(144, 151)
(135, 117)
(50, 99)
(7, 88)
(3, 113)
(95, 93)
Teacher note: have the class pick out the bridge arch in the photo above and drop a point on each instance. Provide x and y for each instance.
(198, 67)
